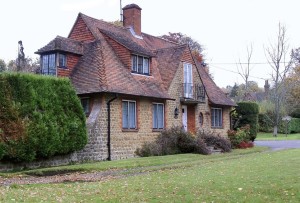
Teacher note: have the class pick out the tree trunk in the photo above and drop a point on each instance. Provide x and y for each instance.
(275, 131)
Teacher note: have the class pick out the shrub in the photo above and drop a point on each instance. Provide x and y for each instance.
(248, 113)
(176, 140)
(171, 141)
(216, 141)
(40, 117)
(239, 137)
(265, 122)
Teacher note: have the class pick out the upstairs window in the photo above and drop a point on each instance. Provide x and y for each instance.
(140, 65)
(62, 60)
(48, 64)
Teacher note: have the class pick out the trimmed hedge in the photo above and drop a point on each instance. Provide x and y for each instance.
(293, 126)
(248, 112)
(40, 117)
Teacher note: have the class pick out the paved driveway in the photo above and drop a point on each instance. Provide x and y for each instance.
(280, 144)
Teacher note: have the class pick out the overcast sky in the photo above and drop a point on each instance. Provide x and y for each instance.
(224, 27)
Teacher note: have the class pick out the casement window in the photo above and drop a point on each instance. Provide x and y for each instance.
(216, 118)
(140, 65)
(62, 60)
(85, 103)
(188, 80)
(158, 116)
(128, 114)
(48, 64)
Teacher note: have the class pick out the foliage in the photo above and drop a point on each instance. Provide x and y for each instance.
(180, 38)
(31, 65)
(248, 115)
(240, 137)
(293, 126)
(175, 140)
(2, 65)
(217, 141)
(265, 123)
(40, 117)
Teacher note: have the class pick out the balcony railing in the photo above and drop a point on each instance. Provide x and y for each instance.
(193, 92)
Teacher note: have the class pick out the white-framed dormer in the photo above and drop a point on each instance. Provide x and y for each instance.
(140, 64)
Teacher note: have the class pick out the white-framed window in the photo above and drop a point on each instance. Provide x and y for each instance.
(158, 116)
(85, 103)
(128, 114)
(188, 80)
(62, 60)
(140, 65)
(216, 118)
(49, 64)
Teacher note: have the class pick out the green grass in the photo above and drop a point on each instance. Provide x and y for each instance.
(241, 176)
(269, 136)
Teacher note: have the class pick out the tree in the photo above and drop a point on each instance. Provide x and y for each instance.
(2, 65)
(180, 38)
(234, 91)
(276, 55)
(30, 65)
(293, 92)
(244, 68)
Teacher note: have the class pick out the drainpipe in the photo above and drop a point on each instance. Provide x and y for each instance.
(108, 127)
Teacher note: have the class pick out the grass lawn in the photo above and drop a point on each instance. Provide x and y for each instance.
(269, 136)
(242, 176)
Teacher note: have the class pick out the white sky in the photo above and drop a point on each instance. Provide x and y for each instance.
(223, 27)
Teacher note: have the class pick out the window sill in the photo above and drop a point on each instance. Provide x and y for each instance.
(217, 127)
(142, 74)
(63, 67)
(130, 130)
(158, 130)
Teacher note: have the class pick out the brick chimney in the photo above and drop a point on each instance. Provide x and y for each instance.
(132, 18)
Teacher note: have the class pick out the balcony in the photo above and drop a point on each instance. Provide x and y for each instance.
(192, 93)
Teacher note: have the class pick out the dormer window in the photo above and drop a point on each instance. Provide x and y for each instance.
(140, 65)
(48, 64)
(62, 60)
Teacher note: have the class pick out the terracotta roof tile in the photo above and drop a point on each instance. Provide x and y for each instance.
(214, 93)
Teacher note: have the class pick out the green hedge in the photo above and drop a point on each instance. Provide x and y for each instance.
(248, 113)
(40, 117)
(293, 126)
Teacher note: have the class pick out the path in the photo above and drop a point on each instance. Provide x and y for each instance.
(279, 144)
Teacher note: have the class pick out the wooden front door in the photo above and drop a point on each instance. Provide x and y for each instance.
(191, 125)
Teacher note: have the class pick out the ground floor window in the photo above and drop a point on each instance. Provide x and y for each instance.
(158, 116)
(85, 103)
(128, 114)
(216, 117)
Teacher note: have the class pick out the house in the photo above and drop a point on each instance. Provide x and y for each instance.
(133, 85)
(258, 96)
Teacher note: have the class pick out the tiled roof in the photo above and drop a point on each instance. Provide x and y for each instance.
(215, 94)
(102, 71)
(62, 44)
(168, 60)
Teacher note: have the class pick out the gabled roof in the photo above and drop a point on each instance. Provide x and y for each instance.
(168, 60)
(62, 44)
(215, 94)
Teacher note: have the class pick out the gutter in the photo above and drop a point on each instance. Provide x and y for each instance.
(108, 126)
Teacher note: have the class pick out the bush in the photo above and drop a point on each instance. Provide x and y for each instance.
(240, 137)
(248, 113)
(40, 117)
(176, 140)
(217, 141)
(265, 123)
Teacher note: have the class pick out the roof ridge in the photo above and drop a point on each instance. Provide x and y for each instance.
(106, 22)
(160, 38)
(177, 46)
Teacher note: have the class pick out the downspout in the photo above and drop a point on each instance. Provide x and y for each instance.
(108, 127)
